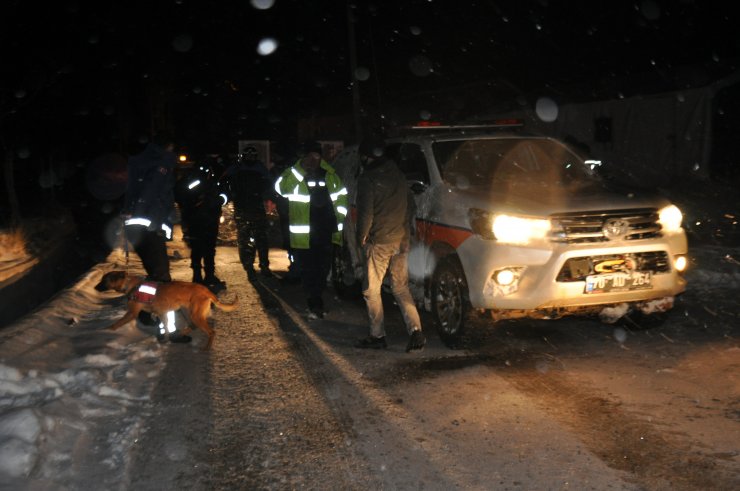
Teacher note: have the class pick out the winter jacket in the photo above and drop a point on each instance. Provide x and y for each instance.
(248, 185)
(294, 185)
(149, 199)
(200, 197)
(384, 204)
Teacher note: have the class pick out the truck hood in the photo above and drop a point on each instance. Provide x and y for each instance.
(548, 200)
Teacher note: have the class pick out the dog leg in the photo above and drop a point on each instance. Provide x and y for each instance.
(187, 329)
(198, 311)
(131, 313)
(202, 324)
(198, 318)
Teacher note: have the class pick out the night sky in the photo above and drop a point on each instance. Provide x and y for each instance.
(99, 75)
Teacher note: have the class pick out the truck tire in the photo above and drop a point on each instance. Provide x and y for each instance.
(450, 301)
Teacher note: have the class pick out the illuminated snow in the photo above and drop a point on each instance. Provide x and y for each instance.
(262, 4)
(267, 46)
(362, 73)
(182, 43)
(546, 109)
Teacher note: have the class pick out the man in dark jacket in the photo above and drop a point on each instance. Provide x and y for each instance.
(384, 212)
(248, 186)
(200, 198)
(147, 212)
(149, 205)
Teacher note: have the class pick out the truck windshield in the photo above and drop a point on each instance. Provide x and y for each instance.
(506, 161)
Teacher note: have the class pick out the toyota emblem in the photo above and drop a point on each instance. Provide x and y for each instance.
(615, 228)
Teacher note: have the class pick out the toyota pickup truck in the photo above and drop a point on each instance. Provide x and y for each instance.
(522, 226)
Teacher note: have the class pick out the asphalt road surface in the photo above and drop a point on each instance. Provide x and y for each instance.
(281, 402)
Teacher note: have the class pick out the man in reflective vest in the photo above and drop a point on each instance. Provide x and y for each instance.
(317, 205)
(147, 212)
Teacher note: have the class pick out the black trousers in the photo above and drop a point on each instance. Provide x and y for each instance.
(314, 265)
(151, 247)
(202, 235)
(251, 237)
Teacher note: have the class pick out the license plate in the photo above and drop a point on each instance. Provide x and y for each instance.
(618, 282)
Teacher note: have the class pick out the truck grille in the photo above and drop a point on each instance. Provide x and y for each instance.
(578, 228)
(577, 268)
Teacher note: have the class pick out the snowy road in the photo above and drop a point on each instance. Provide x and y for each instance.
(249, 414)
(280, 403)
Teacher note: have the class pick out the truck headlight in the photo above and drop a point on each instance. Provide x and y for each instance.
(519, 230)
(670, 218)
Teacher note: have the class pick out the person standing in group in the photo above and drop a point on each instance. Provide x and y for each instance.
(317, 205)
(200, 198)
(248, 186)
(385, 209)
(147, 213)
(282, 205)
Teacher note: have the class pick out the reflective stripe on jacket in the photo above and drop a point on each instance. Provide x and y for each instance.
(293, 186)
(150, 187)
(145, 222)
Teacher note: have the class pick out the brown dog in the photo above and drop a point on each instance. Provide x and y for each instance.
(196, 299)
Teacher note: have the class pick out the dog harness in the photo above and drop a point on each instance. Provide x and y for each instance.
(145, 293)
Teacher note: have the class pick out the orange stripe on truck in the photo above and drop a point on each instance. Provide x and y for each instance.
(431, 232)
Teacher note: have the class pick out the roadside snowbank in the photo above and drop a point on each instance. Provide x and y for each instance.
(72, 395)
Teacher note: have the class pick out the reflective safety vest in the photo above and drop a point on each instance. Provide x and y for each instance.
(294, 186)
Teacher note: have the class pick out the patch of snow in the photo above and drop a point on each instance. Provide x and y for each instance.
(72, 395)
(610, 315)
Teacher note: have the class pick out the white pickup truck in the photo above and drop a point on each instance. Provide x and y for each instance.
(522, 226)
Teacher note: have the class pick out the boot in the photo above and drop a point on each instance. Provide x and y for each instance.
(212, 282)
(197, 278)
(417, 341)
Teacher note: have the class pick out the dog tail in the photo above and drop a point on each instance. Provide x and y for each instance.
(226, 307)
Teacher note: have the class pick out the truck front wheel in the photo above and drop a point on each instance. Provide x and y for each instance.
(450, 302)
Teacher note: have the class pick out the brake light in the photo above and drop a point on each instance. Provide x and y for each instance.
(427, 124)
(498, 123)
(508, 122)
